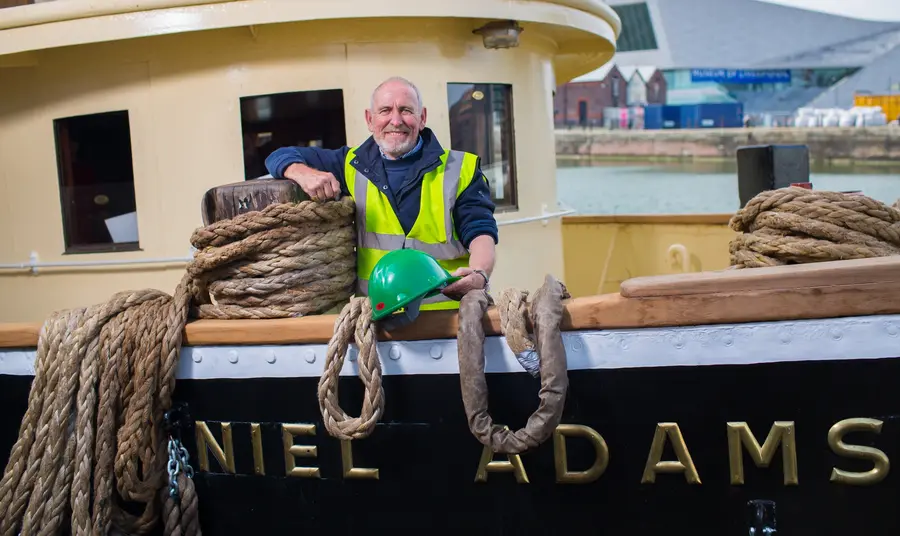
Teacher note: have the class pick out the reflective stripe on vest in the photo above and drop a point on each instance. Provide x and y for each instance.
(379, 230)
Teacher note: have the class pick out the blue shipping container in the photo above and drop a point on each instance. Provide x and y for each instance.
(689, 116)
(721, 115)
(708, 115)
(653, 117)
(671, 116)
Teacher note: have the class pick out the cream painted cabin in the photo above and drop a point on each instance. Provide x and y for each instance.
(180, 70)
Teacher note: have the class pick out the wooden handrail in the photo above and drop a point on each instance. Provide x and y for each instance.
(822, 290)
(819, 274)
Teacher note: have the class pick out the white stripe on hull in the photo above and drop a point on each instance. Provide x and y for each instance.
(862, 337)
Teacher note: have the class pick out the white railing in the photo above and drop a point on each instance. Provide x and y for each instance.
(544, 218)
(33, 264)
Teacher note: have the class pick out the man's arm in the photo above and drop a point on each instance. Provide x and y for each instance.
(473, 217)
(482, 254)
(315, 169)
(473, 214)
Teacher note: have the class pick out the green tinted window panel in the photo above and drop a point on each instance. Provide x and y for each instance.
(637, 29)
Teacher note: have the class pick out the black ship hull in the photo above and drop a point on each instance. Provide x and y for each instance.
(637, 401)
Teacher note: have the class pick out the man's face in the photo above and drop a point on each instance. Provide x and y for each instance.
(395, 119)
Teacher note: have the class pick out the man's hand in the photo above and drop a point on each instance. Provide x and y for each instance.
(318, 185)
(471, 280)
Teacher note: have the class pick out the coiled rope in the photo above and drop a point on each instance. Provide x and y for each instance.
(284, 261)
(795, 225)
(114, 364)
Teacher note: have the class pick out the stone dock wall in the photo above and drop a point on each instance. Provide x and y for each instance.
(871, 143)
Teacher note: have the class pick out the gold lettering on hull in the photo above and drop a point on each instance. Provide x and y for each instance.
(561, 461)
(259, 467)
(292, 451)
(670, 431)
(347, 462)
(882, 465)
(513, 465)
(782, 433)
(207, 443)
(739, 437)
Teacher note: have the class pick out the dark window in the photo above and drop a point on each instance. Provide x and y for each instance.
(302, 118)
(14, 3)
(637, 28)
(582, 113)
(96, 182)
(481, 122)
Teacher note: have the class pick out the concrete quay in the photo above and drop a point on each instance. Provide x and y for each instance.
(825, 144)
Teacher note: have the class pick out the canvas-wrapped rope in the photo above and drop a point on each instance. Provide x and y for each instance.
(546, 315)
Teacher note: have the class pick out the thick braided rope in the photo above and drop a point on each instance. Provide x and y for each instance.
(512, 308)
(92, 437)
(283, 261)
(180, 515)
(353, 322)
(796, 225)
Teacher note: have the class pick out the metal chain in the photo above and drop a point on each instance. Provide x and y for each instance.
(174, 467)
(175, 419)
(178, 462)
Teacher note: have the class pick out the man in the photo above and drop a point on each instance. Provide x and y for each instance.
(409, 191)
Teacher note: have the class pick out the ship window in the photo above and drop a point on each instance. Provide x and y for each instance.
(481, 122)
(96, 182)
(300, 118)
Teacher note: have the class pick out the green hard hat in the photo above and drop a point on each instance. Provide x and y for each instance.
(402, 279)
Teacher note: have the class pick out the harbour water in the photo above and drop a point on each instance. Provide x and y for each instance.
(691, 187)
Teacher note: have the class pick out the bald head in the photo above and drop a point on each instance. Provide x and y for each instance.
(395, 116)
(395, 84)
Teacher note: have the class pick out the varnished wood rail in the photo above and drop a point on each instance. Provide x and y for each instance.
(821, 290)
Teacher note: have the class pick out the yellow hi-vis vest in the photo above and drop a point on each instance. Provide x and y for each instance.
(378, 230)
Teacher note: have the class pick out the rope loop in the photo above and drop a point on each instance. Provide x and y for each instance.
(354, 322)
(547, 311)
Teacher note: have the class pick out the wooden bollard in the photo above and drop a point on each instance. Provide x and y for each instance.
(229, 200)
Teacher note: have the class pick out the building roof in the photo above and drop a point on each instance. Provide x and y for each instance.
(880, 77)
(595, 76)
(741, 34)
(854, 52)
(644, 71)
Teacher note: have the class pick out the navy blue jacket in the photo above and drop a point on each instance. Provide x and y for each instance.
(473, 214)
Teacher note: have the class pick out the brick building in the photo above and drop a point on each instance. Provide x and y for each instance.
(583, 102)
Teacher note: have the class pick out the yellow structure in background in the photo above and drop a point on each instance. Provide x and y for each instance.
(890, 104)
(602, 251)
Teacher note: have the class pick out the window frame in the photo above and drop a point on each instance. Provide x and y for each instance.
(68, 217)
(512, 205)
(337, 91)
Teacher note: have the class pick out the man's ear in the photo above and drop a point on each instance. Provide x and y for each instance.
(369, 120)
(424, 115)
